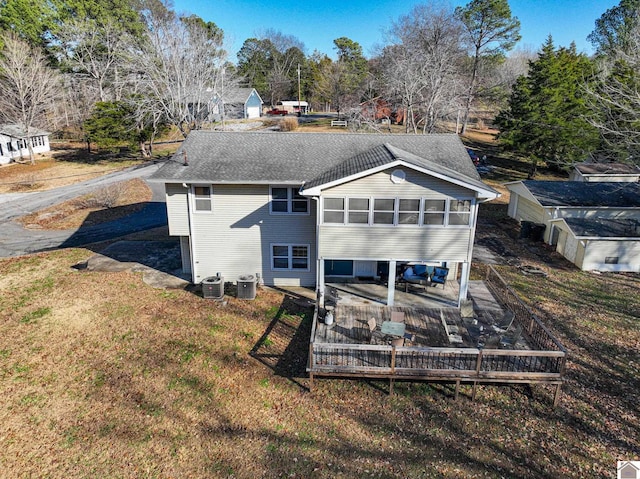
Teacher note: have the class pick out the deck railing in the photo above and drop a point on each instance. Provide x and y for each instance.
(468, 364)
(537, 332)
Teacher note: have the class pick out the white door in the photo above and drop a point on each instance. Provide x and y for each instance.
(366, 268)
(253, 112)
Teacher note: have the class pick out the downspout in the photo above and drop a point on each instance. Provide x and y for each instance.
(319, 262)
(191, 248)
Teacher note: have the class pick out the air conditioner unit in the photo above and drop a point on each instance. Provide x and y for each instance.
(246, 286)
(213, 287)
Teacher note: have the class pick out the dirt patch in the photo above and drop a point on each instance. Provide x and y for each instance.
(106, 204)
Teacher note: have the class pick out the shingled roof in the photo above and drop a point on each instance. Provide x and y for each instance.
(607, 169)
(17, 131)
(604, 228)
(296, 158)
(577, 193)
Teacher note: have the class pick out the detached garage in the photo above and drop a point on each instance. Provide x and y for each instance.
(600, 244)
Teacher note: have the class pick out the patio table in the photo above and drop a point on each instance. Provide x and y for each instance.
(392, 328)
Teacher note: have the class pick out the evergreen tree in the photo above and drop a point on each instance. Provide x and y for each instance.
(546, 117)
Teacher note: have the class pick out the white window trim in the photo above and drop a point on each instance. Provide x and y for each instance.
(470, 213)
(290, 200)
(396, 212)
(290, 247)
(192, 194)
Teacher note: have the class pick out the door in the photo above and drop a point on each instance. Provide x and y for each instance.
(367, 269)
(253, 112)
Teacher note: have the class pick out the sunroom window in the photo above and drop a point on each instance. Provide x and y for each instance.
(434, 211)
(383, 211)
(334, 210)
(459, 212)
(358, 211)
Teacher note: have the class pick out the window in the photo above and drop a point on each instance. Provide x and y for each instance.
(397, 211)
(434, 211)
(611, 260)
(358, 211)
(289, 257)
(288, 201)
(408, 211)
(459, 212)
(334, 210)
(383, 210)
(202, 198)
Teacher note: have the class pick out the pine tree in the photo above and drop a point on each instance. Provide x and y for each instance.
(546, 116)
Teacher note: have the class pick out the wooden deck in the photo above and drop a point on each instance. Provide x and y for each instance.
(351, 327)
(346, 349)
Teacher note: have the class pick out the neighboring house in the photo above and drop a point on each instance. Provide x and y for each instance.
(13, 142)
(294, 106)
(236, 103)
(594, 225)
(612, 172)
(298, 208)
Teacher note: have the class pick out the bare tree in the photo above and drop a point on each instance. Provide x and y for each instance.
(96, 51)
(614, 97)
(180, 64)
(423, 67)
(27, 85)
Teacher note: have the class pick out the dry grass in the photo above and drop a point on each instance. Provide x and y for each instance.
(103, 376)
(107, 204)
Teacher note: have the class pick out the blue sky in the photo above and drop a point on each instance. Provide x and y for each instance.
(318, 23)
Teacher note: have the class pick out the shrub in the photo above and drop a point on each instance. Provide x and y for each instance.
(106, 197)
(289, 124)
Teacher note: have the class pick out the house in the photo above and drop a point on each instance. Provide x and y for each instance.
(299, 208)
(236, 103)
(616, 172)
(593, 224)
(13, 142)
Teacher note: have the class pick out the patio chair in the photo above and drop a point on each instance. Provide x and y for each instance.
(439, 276)
(509, 341)
(376, 336)
(505, 322)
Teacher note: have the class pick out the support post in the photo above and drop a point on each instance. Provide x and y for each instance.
(556, 396)
(455, 398)
(391, 282)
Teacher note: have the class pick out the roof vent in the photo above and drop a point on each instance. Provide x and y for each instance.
(398, 176)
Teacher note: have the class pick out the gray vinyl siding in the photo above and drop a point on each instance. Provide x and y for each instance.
(177, 209)
(415, 184)
(397, 242)
(236, 238)
(417, 243)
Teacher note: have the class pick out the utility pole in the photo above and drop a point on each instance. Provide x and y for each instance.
(299, 107)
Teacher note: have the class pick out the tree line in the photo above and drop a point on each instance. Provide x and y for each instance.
(125, 70)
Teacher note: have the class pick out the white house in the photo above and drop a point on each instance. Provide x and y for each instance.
(592, 224)
(14, 142)
(299, 207)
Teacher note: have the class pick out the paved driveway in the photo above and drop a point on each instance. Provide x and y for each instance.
(16, 240)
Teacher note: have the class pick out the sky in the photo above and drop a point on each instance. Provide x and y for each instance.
(318, 23)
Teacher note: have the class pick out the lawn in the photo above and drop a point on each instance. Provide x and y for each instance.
(104, 376)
